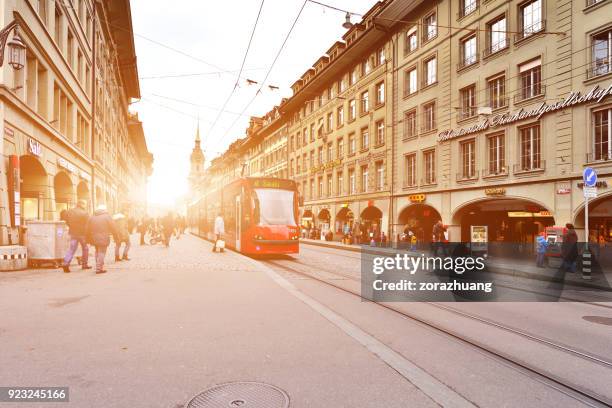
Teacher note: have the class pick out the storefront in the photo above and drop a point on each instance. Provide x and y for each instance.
(34, 188)
(419, 218)
(344, 218)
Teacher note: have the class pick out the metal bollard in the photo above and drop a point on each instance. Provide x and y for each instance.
(586, 265)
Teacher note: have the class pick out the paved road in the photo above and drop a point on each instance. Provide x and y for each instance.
(170, 323)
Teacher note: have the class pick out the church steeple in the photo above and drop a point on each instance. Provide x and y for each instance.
(197, 139)
(196, 173)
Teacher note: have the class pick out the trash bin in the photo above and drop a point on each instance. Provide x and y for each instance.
(47, 242)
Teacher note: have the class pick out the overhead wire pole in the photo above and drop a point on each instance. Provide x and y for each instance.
(246, 53)
(269, 70)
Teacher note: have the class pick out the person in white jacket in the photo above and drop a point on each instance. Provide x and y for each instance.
(218, 231)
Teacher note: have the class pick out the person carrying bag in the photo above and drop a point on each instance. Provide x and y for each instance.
(219, 231)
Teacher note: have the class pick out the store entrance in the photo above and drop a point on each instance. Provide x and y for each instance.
(512, 225)
(419, 219)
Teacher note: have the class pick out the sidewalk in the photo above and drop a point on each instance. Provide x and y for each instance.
(172, 322)
(516, 268)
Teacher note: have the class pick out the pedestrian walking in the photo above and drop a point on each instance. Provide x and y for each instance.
(99, 229)
(413, 241)
(541, 249)
(569, 249)
(143, 227)
(168, 225)
(122, 227)
(438, 238)
(219, 231)
(77, 218)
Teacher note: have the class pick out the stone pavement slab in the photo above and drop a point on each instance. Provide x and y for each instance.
(157, 330)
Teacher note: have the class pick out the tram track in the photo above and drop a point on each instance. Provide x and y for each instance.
(587, 396)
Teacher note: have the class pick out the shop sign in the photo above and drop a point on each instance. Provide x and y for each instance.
(416, 198)
(345, 205)
(370, 203)
(9, 132)
(598, 184)
(564, 190)
(528, 214)
(34, 147)
(496, 192)
(65, 164)
(574, 98)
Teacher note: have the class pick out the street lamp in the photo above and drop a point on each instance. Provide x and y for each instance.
(347, 21)
(15, 45)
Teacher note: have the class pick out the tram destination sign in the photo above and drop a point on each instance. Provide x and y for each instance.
(597, 93)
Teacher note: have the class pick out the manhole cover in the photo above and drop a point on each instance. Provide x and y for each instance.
(241, 395)
(599, 320)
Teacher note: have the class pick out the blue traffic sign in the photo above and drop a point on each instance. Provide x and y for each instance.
(590, 177)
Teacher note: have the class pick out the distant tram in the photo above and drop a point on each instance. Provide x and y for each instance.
(260, 215)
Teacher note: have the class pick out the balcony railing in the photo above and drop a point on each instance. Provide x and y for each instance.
(499, 103)
(598, 68)
(599, 157)
(467, 9)
(536, 165)
(590, 3)
(467, 113)
(497, 47)
(495, 171)
(467, 61)
(530, 30)
(534, 91)
(467, 176)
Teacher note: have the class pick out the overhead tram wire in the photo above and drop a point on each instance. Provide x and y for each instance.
(195, 104)
(246, 53)
(187, 75)
(269, 70)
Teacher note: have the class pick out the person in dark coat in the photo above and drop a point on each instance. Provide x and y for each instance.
(569, 249)
(99, 229)
(143, 227)
(168, 226)
(77, 218)
(122, 226)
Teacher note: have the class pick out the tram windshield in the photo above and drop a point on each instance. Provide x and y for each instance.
(275, 206)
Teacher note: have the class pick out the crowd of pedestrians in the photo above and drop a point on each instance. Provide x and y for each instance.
(97, 229)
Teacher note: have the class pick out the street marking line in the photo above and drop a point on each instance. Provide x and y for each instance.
(432, 387)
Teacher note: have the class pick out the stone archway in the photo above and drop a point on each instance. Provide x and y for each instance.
(420, 219)
(83, 191)
(64, 192)
(34, 188)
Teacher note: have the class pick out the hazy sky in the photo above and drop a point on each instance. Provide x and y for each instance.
(214, 35)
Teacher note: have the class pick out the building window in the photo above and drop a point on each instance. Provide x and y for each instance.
(353, 77)
(58, 26)
(330, 121)
(429, 160)
(352, 144)
(497, 154)
(312, 132)
(380, 93)
(468, 102)
(364, 179)
(469, 55)
(330, 151)
(380, 56)
(352, 183)
(411, 42)
(320, 154)
(530, 76)
(305, 136)
(497, 37)
(530, 147)
(431, 27)
(320, 187)
(365, 102)
(339, 182)
(411, 81)
(530, 15)
(468, 159)
(380, 175)
(291, 168)
(410, 163)
(352, 110)
(297, 166)
(42, 10)
(312, 159)
(496, 88)
(340, 147)
(380, 133)
(340, 116)
(330, 185)
(366, 67)
(430, 68)
(602, 134)
(341, 86)
(429, 116)
(601, 55)
(312, 189)
(365, 138)
(410, 124)
(467, 7)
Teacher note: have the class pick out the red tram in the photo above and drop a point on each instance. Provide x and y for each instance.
(260, 215)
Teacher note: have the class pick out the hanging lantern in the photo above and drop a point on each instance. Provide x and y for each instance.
(16, 50)
(347, 21)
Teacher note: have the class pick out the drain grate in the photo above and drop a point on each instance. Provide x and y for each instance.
(241, 395)
(599, 320)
